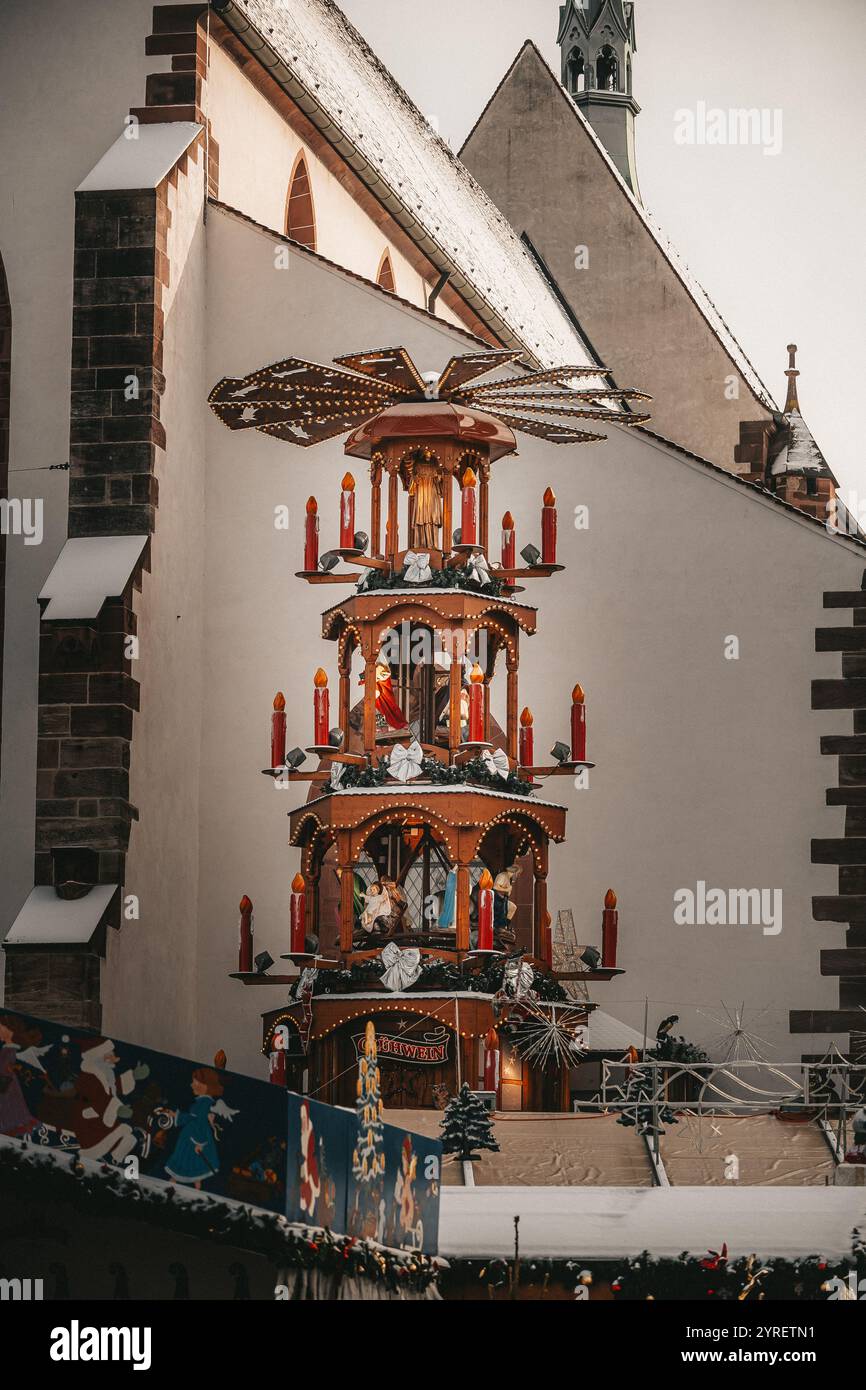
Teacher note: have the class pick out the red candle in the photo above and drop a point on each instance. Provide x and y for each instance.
(245, 946)
(277, 1067)
(298, 916)
(491, 1060)
(311, 536)
(469, 513)
(526, 743)
(321, 709)
(278, 730)
(485, 911)
(347, 513)
(508, 542)
(609, 921)
(548, 529)
(578, 725)
(476, 705)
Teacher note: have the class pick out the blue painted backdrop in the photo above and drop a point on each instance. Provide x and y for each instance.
(189, 1123)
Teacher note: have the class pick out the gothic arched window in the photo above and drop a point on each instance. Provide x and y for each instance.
(607, 70)
(300, 214)
(575, 72)
(385, 275)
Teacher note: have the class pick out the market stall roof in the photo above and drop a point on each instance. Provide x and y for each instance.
(617, 1222)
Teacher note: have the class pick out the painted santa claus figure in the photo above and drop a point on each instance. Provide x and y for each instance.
(101, 1117)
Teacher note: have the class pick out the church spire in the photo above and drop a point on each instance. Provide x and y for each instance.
(791, 401)
(597, 40)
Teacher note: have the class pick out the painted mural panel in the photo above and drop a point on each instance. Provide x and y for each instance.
(112, 1101)
(212, 1130)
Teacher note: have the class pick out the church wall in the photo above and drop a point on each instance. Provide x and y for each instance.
(257, 154)
(707, 768)
(59, 131)
(533, 156)
(150, 973)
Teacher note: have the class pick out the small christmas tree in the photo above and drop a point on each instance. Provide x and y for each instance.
(466, 1125)
(368, 1159)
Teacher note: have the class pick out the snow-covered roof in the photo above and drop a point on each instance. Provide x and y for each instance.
(615, 1222)
(140, 157)
(608, 1034)
(323, 62)
(695, 289)
(801, 454)
(46, 920)
(88, 570)
(431, 789)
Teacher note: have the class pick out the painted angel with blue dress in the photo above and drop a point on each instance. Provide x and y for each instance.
(195, 1156)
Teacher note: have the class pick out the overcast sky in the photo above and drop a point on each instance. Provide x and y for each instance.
(778, 242)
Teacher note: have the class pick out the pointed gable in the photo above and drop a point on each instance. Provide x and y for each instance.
(645, 314)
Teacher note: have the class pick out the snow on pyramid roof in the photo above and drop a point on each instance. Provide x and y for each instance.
(801, 454)
(364, 112)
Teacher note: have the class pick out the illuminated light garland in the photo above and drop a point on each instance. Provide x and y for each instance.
(107, 1193)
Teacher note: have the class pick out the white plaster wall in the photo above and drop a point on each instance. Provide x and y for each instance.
(57, 120)
(706, 768)
(257, 152)
(150, 977)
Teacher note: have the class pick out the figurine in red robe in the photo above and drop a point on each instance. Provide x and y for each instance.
(386, 701)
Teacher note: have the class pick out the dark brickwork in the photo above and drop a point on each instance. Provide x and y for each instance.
(848, 853)
(121, 267)
(87, 693)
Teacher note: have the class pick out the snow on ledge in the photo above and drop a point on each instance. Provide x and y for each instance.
(140, 157)
(46, 920)
(88, 570)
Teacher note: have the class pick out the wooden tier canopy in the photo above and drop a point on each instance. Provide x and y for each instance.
(304, 402)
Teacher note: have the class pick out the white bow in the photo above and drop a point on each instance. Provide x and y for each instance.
(363, 581)
(496, 762)
(477, 568)
(402, 967)
(337, 773)
(405, 763)
(416, 567)
(519, 978)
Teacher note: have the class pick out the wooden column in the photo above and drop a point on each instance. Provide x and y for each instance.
(370, 704)
(511, 716)
(447, 505)
(455, 686)
(345, 670)
(540, 903)
(487, 710)
(347, 898)
(392, 536)
(312, 904)
(483, 503)
(462, 907)
(376, 508)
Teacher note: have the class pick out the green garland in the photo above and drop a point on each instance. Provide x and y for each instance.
(109, 1193)
(684, 1277)
(440, 775)
(435, 975)
(448, 578)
